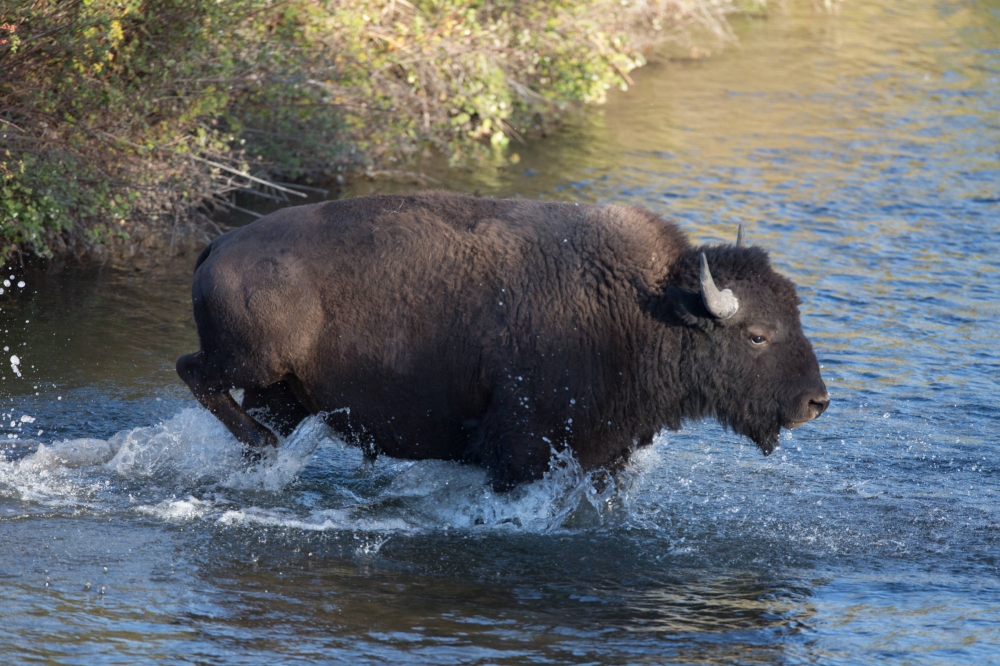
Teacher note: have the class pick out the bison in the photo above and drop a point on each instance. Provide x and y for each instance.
(494, 332)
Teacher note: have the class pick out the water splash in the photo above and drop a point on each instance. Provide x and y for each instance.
(190, 468)
(191, 451)
(700, 500)
(50, 477)
(433, 495)
(192, 447)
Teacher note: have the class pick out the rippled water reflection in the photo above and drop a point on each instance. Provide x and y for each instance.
(863, 150)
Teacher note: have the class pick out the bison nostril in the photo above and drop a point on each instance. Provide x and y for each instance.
(819, 404)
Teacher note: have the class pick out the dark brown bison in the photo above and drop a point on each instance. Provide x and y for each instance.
(494, 331)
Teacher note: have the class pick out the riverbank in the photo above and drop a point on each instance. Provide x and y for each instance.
(126, 128)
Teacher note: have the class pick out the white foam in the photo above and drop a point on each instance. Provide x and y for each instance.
(47, 476)
(191, 450)
(195, 448)
(175, 511)
(69, 453)
(442, 494)
(279, 468)
(316, 521)
(192, 446)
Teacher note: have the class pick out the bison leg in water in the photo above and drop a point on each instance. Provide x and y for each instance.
(511, 457)
(518, 460)
(207, 382)
(281, 408)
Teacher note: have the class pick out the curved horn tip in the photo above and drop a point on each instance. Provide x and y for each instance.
(721, 304)
(741, 239)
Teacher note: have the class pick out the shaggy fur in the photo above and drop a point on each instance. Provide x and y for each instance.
(492, 331)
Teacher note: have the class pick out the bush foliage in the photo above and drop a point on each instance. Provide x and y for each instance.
(126, 122)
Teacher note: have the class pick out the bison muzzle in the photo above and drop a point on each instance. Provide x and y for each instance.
(494, 331)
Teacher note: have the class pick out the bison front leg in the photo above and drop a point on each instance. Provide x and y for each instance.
(518, 460)
(278, 406)
(511, 456)
(208, 385)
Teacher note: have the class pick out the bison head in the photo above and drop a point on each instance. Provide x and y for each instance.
(745, 356)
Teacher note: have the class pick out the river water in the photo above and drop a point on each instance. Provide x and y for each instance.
(863, 150)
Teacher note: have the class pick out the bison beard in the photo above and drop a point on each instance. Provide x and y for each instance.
(494, 331)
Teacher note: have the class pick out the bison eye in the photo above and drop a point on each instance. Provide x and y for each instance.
(758, 339)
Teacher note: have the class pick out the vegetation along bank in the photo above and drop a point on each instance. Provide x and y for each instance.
(125, 125)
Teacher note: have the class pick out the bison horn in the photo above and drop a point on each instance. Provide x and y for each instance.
(741, 240)
(722, 304)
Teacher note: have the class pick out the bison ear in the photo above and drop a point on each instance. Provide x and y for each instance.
(686, 306)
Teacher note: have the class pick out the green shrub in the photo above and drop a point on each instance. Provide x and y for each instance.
(122, 121)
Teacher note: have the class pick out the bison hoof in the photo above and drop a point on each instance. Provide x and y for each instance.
(254, 451)
(502, 487)
(251, 456)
